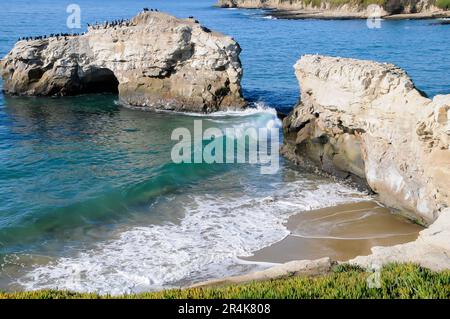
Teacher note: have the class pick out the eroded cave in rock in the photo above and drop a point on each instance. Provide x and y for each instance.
(99, 80)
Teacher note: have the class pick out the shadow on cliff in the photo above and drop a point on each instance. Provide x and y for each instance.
(100, 80)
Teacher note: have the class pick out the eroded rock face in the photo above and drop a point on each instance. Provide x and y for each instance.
(390, 6)
(154, 60)
(366, 120)
(344, 9)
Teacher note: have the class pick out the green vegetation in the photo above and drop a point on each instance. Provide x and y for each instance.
(364, 3)
(337, 3)
(315, 3)
(345, 281)
(443, 4)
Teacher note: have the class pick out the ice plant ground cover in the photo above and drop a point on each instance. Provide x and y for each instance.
(344, 282)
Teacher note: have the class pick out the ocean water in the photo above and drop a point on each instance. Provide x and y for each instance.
(89, 197)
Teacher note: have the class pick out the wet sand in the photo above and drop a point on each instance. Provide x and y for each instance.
(341, 232)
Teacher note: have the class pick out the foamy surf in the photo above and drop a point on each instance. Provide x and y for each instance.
(254, 108)
(205, 244)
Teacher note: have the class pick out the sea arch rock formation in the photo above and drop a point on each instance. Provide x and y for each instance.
(153, 60)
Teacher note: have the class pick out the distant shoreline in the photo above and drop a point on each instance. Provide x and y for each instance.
(328, 10)
(330, 15)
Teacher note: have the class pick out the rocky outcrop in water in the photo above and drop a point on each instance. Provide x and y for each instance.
(153, 60)
(366, 120)
(328, 9)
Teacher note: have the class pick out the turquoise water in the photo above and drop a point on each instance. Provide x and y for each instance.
(89, 198)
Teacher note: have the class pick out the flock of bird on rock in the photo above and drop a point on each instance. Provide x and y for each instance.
(112, 24)
(97, 26)
(52, 35)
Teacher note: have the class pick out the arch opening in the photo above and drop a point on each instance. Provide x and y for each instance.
(99, 80)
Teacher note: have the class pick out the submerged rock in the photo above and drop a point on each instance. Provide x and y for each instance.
(153, 60)
(366, 120)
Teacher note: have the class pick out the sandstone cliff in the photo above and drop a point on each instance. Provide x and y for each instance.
(298, 9)
(367, 120)
(153, 60)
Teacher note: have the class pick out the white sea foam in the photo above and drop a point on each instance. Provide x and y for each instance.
(205, 244)
(255, 108)
(259, 116)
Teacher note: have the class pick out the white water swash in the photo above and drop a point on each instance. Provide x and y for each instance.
(225, 216)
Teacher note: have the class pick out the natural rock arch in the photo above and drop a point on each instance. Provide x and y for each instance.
(153, 60)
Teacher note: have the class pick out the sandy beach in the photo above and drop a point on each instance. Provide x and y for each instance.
(341, 232)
